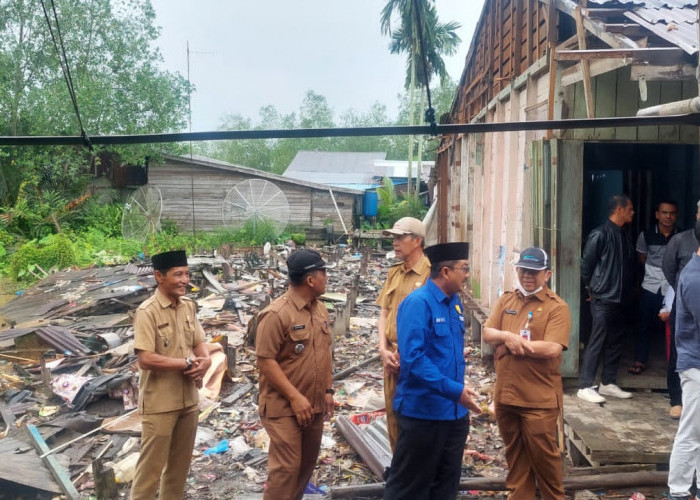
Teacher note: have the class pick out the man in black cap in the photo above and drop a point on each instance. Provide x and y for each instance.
(530, 329)
(293, 347)
(431, 402)
(173, 358)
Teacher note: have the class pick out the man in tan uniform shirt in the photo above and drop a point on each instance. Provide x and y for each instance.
(403, 278)
(293, 347)
(530, 329)
(173, 358)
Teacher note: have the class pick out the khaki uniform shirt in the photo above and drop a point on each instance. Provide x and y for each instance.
(399, 283)
(297, 335)
(173, 331)
(524, 381)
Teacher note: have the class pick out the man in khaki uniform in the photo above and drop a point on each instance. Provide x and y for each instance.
(173, 358)
(403, 278)
(293, 347)
(530, 329)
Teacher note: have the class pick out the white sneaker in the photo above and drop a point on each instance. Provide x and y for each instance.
(614, 391)
(590, 394)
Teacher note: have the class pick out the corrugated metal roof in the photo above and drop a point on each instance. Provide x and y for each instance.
(346, 169)
(57, 337)
(673, 20)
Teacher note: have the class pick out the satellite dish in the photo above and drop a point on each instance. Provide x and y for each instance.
(256, 202)
(141, 216)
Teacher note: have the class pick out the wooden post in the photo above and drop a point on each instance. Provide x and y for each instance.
(230, 352)
(585, 65)
(105, 482)
(46, 377)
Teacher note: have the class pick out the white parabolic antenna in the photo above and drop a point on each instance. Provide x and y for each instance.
(141, 216)
(258, 202)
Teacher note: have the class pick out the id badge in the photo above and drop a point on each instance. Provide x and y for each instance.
(525, 334)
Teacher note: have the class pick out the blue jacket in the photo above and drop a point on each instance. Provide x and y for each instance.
(687, 317)
(430, 328)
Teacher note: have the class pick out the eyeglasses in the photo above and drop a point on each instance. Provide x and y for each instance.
(464, 269)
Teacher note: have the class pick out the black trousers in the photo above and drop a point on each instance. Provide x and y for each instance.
(607, 333)
(427, 461)
(673, 380)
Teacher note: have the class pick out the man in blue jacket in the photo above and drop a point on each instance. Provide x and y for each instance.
(431, 402)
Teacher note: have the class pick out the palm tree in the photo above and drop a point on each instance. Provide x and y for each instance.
(438, 39)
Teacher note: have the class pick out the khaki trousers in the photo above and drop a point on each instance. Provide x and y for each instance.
(167, 440)
(392, 422)
(532, 453)
(292, 456)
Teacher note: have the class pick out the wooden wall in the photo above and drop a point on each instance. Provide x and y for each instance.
(181, 183)
(510, 36)
(616, 94)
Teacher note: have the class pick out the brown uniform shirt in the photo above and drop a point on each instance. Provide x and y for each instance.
(173, 331)
(297, 335)
(524, 381)
(399, 283)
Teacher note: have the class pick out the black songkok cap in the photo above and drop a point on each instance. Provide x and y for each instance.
(166, 260)
(304, 261)
(447, 251)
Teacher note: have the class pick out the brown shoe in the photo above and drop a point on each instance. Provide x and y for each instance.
(675, 412)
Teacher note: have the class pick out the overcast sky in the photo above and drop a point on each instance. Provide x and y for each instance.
(247, 54)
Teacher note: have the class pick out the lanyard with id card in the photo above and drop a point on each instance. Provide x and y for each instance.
(525, 332)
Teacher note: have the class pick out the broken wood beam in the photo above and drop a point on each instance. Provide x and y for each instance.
(9, 417)
(585, 65)
(59, 473)
(348, 371)
(641, 53)
(599, 481)
(105, 482)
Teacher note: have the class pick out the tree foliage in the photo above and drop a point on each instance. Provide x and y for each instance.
(114, 64)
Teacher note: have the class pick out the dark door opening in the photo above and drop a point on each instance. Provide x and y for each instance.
(647, 173)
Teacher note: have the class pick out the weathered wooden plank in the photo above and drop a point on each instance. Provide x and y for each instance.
(636, 430)
(664, 55)
(689, 135)
(673, 72)
(653, 98)
(579, 110)
(605, 100)
(568, 277)
(59, 473)
(597, 67)
(670, 92)
(627, 103)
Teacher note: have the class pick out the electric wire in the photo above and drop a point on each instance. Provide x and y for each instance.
(57, 39)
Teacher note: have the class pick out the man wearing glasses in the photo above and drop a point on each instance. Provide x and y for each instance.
(432, 402)
(403, 278)
(530, 328)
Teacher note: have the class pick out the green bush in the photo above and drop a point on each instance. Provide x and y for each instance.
(298, 238)
(55, 250)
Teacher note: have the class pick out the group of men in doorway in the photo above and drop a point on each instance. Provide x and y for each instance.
(668, 297)
(421, 345)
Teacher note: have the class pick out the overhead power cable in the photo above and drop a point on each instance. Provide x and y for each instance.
(57, 38)
(692, 119)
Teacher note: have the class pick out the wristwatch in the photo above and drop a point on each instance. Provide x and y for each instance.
(189, 362)
(330, 391)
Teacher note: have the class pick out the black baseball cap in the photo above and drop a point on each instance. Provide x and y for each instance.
(304, 261)
(533, 258)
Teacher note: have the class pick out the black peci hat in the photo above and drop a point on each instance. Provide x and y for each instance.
(166, 260)
(447, 251)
